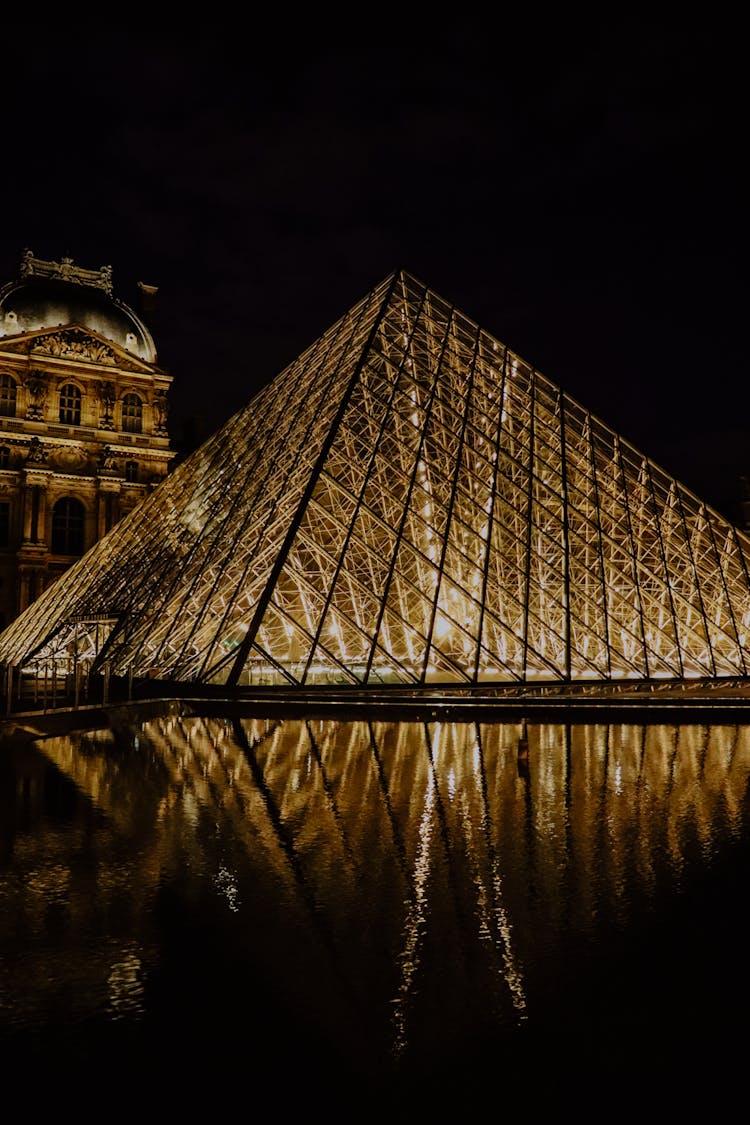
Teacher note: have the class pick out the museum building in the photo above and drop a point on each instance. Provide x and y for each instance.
(83, 420)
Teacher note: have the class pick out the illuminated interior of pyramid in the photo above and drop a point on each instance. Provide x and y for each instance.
(409, 502)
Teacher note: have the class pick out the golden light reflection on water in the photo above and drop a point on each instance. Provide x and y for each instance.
(125, 983)
(389, 875)
(414, 923)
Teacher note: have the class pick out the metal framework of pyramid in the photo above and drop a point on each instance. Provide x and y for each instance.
(408, 502)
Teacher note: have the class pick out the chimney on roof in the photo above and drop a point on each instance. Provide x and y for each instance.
(148, 301)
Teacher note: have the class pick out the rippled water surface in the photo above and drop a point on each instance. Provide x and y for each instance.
(348, 918)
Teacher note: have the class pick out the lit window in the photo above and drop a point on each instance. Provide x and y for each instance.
(131, 471)
(70, 404)
(67, 527)
(132, 414)
(7, 396)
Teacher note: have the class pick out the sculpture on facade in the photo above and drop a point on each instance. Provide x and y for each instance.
(37, 454)
(107, 395)
(161, 410)
(36, 385)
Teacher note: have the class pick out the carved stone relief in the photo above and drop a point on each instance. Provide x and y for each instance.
(161, 410)
(107, 461)
(69, 459)
(70, 345)
(107, 396)
(36, 385)
(37, 454)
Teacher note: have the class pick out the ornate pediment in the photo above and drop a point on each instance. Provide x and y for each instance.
(74, 343)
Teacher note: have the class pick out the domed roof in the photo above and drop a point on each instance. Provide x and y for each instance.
(56, 294)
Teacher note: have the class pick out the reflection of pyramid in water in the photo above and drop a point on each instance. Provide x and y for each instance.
(407, 502)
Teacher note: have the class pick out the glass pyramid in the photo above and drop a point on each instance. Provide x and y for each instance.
(408, 502)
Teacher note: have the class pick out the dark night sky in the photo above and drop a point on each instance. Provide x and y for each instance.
(580, 196)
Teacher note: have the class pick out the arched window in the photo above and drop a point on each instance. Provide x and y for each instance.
(132, 414)
(4, 456)
(70, 404)
(7, 396)
(131, 471)
(67, 527)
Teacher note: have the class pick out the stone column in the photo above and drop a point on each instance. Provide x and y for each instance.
(107, 504)
(35, 505)
(28, 492)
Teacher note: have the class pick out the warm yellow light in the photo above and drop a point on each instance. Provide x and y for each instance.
(442, 626)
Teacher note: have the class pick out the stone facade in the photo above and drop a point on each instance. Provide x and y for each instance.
(83, 421)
